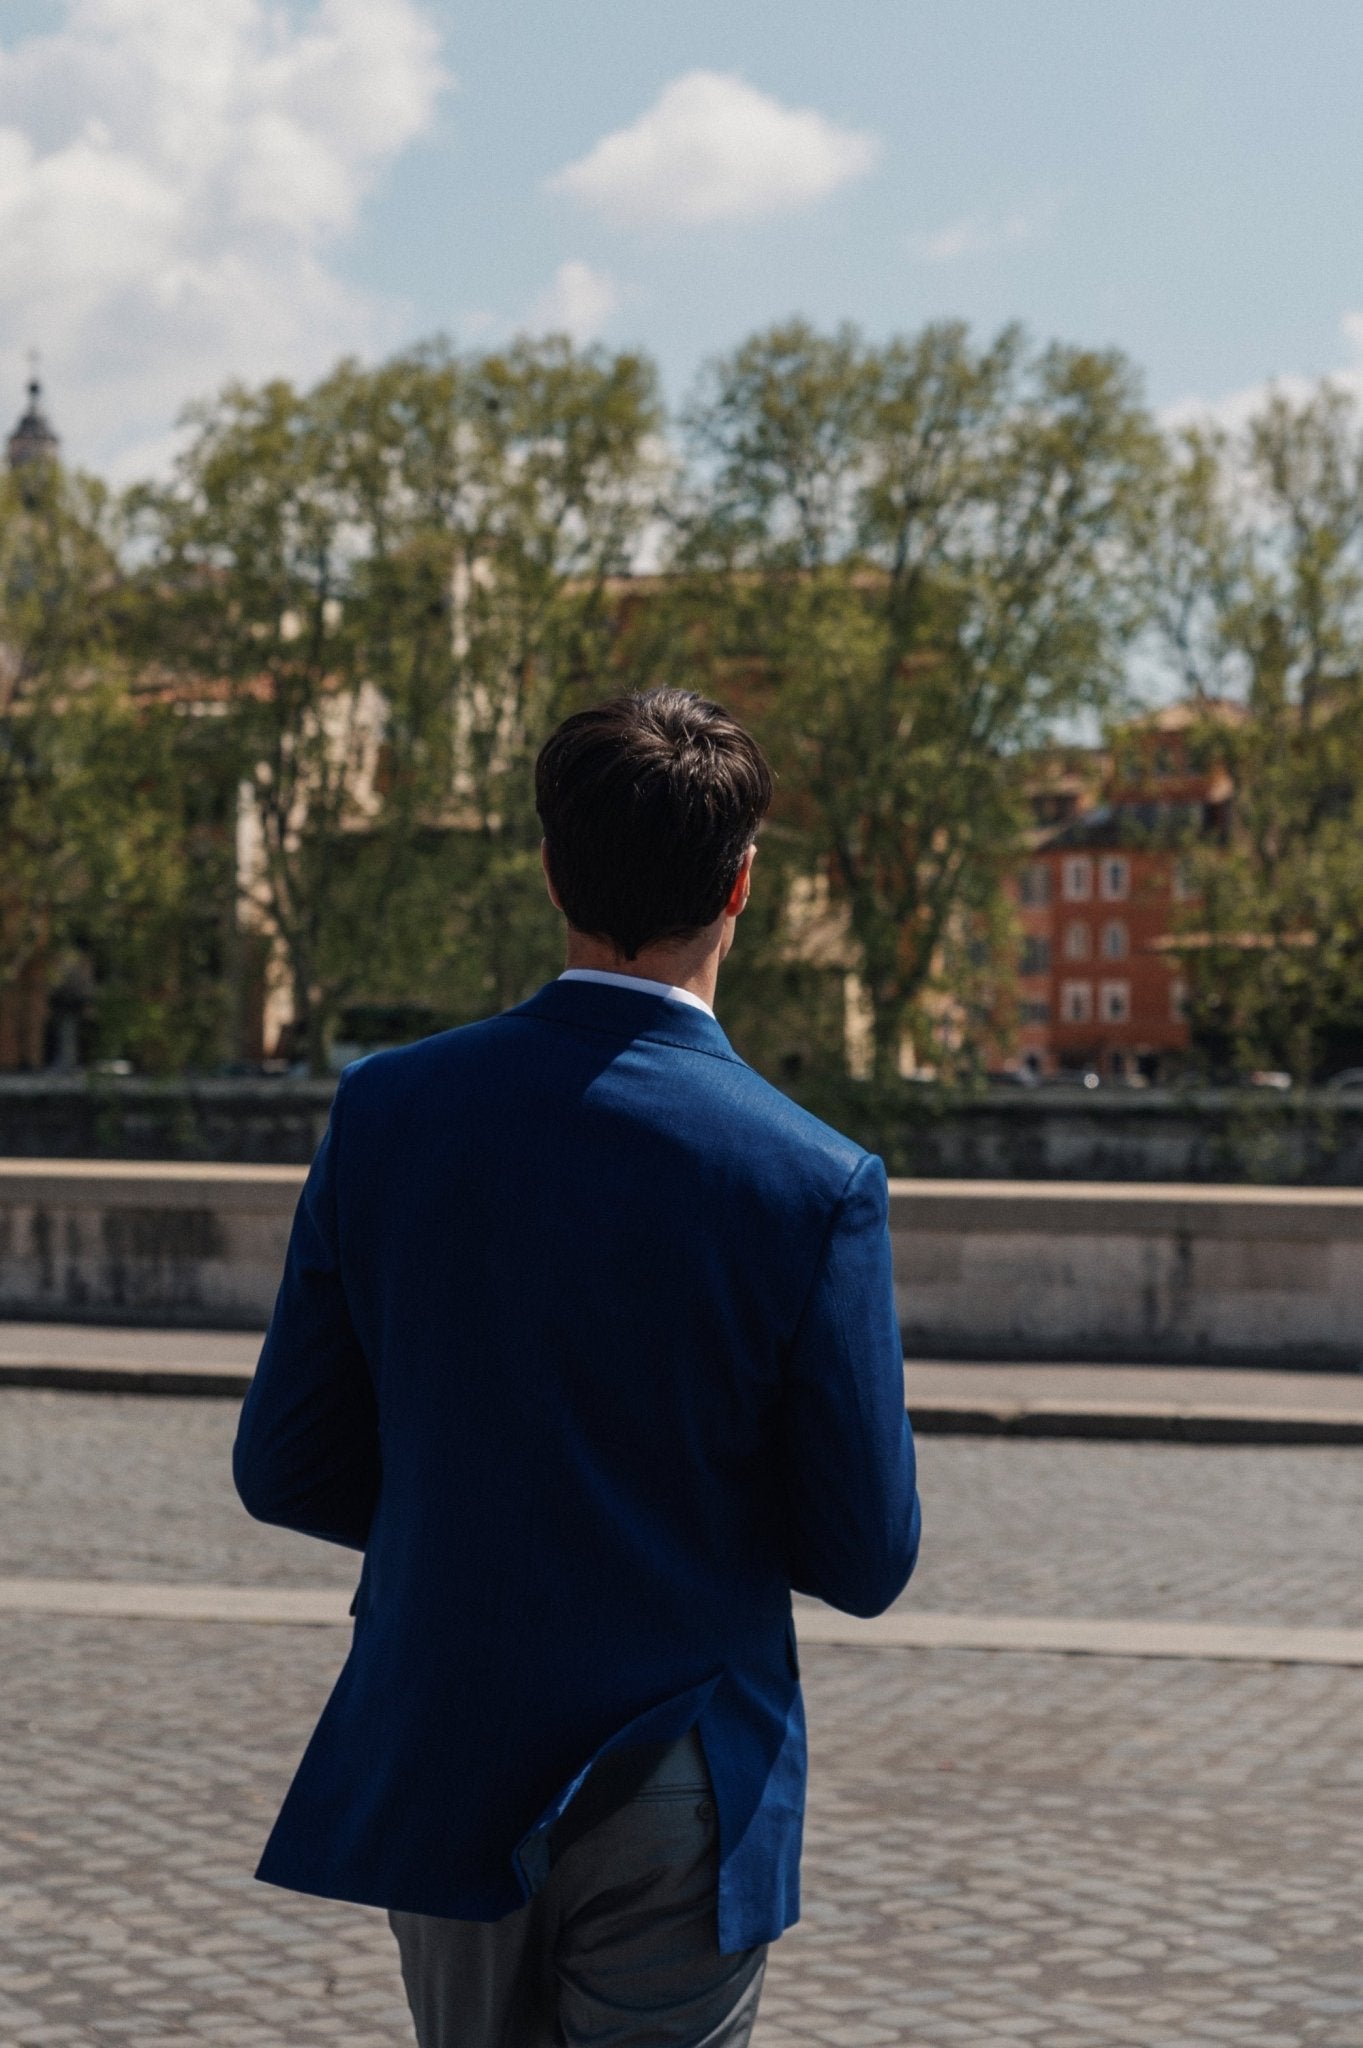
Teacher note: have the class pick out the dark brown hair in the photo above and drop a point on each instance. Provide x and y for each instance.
(649, 804)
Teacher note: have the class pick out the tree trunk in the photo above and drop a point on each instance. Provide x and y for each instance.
(886, 1029)
(309, 1034)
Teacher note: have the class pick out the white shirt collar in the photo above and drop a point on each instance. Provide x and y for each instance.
(638, 984)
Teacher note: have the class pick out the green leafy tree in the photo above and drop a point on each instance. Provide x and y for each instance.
(921, 556)
(145, 851)
(55, 564)
(115, 889)
(568, 465)
(392, 583)
(1257, 580)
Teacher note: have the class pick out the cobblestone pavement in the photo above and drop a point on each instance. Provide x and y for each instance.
(1002, 1848)
(121, 1486)
(1127, 1530)
(118, 1486)
(1075, 1851)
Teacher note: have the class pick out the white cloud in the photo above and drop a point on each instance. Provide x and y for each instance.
(981, 234)
(713, 148)
(578, 302)
(1235, 409)
(173, 178)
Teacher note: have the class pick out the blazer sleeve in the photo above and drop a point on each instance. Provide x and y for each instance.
(853, 1516)
(307, 1448)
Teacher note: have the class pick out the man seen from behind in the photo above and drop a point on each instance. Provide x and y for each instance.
(587, 1340)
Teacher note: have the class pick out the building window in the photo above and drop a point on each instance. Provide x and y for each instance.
(1035, 1012)
(1114, 1001)
(1114, 878)
(1036, 955)
(1076, 1002)
(1184, 882)
(1035, 886)
(1076, 879)
(1178, 1001)
(1076, 941)
(1114, 940)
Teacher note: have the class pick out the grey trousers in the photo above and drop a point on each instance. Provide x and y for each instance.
(617, 1950)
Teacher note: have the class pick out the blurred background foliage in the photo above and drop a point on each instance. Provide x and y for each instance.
(267, 725)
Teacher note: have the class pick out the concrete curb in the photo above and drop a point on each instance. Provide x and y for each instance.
(115, 1376)
(1102, 1421)
(1145, 1423)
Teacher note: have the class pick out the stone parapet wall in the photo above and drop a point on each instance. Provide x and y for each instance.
(1174, 1274)
(179, 1245)
(1178, 1274)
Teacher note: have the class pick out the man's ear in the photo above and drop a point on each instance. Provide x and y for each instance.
(738, 895)
(548, 878)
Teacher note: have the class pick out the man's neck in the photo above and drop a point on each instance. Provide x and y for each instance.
(678, 966)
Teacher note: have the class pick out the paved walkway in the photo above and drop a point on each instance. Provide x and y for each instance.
(82, 1356)
(1079, 1851)
(116, 1487)
(1076, 1852)
(96, 1345)
(1079, 1386)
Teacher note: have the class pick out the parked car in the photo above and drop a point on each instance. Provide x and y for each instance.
(1347, 1077)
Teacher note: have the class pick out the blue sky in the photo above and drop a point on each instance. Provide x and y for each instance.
(193, 188)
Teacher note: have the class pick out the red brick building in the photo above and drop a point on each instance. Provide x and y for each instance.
(1100, 896)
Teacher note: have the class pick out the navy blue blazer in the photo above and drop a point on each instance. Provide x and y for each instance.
(586, 1338)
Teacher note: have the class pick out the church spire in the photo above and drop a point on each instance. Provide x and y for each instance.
(34, 440)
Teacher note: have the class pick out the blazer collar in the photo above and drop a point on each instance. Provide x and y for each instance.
(619, 1012)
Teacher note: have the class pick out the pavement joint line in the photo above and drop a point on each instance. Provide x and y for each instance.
(904, 1628)
(174, 1600)
(1063, 1635)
